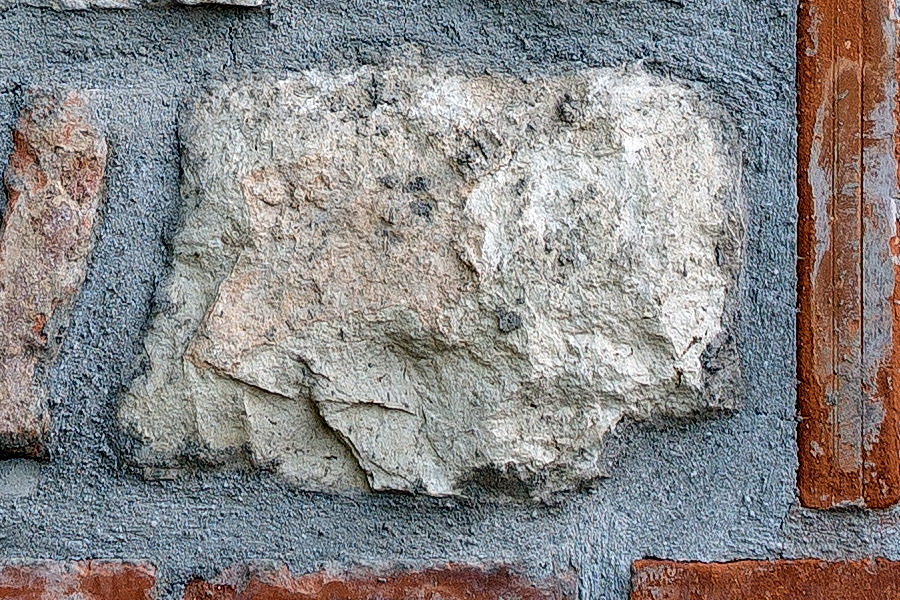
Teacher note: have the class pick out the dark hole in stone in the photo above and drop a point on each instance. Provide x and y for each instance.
(569, 110)
(494, 480)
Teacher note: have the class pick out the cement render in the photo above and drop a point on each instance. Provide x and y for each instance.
(702, 490)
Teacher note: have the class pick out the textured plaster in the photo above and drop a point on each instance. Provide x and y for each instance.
(703, 490)
(76, 5)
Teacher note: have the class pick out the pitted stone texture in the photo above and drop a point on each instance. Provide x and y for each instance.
(419, 281)
(88, 580)
(53, 185)
(450, 582)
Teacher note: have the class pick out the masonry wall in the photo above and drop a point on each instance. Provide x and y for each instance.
(710, 487)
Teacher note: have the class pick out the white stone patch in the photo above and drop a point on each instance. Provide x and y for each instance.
(405, 279)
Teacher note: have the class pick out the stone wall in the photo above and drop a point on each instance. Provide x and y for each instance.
(405, 300)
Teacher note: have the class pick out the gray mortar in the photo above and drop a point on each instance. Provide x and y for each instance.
(705, 490)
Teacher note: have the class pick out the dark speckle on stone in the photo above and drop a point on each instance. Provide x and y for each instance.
(422, 208)
(417, 184)
(569, 110)
(508, 320)
(521, 186)
(389, 181)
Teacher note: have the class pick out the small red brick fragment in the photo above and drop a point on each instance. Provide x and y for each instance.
(88, 580)
(53, 184)
(452, 582)
(770, 580)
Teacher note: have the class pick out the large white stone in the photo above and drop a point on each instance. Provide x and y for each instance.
(412, 280)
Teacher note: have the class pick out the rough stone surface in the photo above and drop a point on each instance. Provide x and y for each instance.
(704, 489)
(772, 580)
(436, 280)
(451, 582)
(88, 580)
(53, 185)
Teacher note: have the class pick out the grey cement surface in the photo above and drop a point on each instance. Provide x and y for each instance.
(706, 490)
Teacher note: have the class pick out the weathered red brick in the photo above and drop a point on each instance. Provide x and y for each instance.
(88, 580)
(451, 582)
(53, 184)
(766, 580)
(848, 327)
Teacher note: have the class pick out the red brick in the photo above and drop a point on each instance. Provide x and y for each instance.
(848, 326)
(451, 582)
(88, 580)
(53, 184)
(803, 579)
